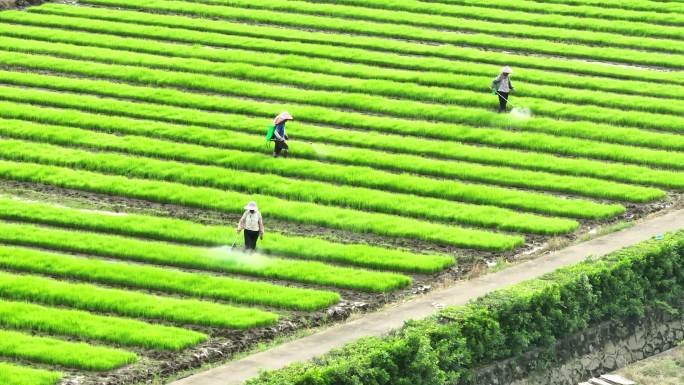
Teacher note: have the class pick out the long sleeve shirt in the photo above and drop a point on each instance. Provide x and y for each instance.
(502, 84)
(251, 221)
(279, 132)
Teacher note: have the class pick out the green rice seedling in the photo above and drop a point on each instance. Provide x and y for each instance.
(156, 25)
(231, 202)
(11, 374)
(347, 175)
(540, 105)
(219, 259)
(57, 352)
(129, 303)
(414, 164)
(441, 149)
(176, 230)
(605, 11)
(402, 163)
(155, 278)
(638, 5)
(474, 80)
(387, 30)
(374, 11)
(276, 186)
(84, 325)
(446, 132)
(360, 103)
(502, 176)
(326, 114)
(642, 11)
(317, 58)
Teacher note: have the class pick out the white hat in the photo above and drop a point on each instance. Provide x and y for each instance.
(251, 206)
(506, 70)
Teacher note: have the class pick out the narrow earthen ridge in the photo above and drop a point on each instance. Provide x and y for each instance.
(377, 324)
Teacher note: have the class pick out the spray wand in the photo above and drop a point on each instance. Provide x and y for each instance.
(235, 241)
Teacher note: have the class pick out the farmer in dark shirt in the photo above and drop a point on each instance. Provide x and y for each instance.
(279, 135)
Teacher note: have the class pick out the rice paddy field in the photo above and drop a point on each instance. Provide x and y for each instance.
(132, 135)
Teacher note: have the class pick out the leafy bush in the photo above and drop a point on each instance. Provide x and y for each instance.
(536, 313)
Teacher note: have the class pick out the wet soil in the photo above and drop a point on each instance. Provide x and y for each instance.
(225, 343)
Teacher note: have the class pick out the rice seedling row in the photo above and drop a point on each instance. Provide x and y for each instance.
(350, 62)
(594, 9)
(442, 148)
(326, 106)
(298, 190)
(207, 198)
(88, 326)
(609, 10)
(308, 169)
(387, 107)
(308, 80)
(394, 31)
(127, 303)
(301, 212)
(373, 12)
(638, 5)
(347, 155)
(498, 137)
(167, 27)
(11, 374)
(515, 12)
(217, 260)
(182, 231)
(149, 277)
(53, 351)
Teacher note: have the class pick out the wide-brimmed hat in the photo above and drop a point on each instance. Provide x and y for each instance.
(507, 70)
(283, 116)
(251, 206)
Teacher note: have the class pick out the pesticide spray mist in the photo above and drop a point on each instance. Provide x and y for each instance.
(320, 151)
(236, 257)
(521, 113)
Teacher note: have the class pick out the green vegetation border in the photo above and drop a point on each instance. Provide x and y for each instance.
(448, 346)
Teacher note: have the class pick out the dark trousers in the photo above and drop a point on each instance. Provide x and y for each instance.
(280, 145)
(503, 97)
(251, 239)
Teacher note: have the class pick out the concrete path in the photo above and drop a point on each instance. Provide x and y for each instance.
(377, 324)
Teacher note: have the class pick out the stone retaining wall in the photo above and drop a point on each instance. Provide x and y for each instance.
(596, 351)
(11, 4)
(7, 4)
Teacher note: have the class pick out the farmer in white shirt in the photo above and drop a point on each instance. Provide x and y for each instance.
(253, 225)
(503, 87)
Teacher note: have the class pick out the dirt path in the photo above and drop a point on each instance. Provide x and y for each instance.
(380, 323)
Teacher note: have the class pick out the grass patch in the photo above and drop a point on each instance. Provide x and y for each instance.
(607, 229)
